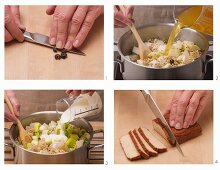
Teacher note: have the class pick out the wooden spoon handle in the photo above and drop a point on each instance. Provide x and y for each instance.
(8, 102)
(136, 35)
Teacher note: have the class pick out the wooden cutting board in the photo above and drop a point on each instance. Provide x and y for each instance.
(131, 111)
(30, 61)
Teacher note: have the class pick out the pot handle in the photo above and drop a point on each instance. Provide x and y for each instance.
(209, 59)
(98, 131)
(94, 148)
(117, 59)
(120, 63)
(12, 150)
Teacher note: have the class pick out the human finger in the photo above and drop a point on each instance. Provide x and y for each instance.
(85, 28)
(173, 108)
(76, 22)
(14, 101)
(192, 107)
(50, 9)
(16, 13)
(8, 36)
(201, 107)
(11, 26)
(181, 108)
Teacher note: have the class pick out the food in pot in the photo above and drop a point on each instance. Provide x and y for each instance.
(181, 53)
(54, 138)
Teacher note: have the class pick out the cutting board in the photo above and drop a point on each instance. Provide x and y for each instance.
(131, 111)
(30, 61)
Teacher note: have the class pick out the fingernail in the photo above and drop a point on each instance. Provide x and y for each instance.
(68, 45)
(172, 123)
(129, 15)
(52, 41)
(76, 43)
(178, 126)
(185, 125)
(59, 44)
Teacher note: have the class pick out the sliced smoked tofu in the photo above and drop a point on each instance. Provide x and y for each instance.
(138, 146)
(144, 144)
(152, 140)
(129, 148)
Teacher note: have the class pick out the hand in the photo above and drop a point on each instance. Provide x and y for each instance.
(186, 107)
(16, 106)
(78, 92)
(122, 20)
(13, 25)
(71, 24)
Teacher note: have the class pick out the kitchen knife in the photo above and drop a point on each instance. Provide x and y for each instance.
(44, 40)
(158, 114)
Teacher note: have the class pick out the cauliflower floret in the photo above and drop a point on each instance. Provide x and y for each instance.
(195, 54)
(174, 52)
(154, 63)
(140, 62)
(178, 45)
(181, 53)
(43, 127)
(162, 60)
(135, 50)
(167, 65)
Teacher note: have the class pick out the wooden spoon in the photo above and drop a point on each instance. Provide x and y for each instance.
(24, 136)
(143, 50)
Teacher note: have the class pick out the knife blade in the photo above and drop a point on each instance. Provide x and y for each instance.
(158, 114)
(44, 40)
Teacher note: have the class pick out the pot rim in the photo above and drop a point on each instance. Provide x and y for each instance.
(51, 112)
(163, 24)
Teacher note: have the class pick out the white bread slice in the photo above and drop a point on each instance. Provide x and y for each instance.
(138, 146)
(152, 140)
(147, 148)
(129, 148)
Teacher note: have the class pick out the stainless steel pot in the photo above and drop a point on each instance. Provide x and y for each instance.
(24, 156)
(132, 71)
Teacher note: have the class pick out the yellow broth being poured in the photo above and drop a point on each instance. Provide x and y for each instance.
(196, 17)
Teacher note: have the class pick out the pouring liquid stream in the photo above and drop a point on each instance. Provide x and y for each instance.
(199, 18)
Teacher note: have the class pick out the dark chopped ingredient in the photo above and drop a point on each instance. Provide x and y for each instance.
(63, 50)
(54, 49)
(171, 61)
(63, 55)
(134, 57)
(57, 57)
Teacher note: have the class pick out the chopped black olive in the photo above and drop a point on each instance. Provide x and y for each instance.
(171, 61)
(54, 49)
(63, 55)
(57, 57)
